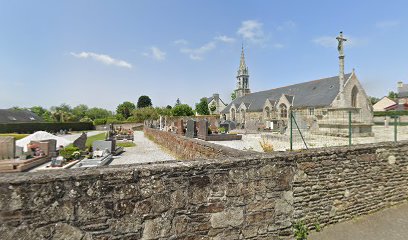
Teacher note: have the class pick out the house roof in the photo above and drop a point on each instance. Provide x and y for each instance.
(317, 93)
(18, 116)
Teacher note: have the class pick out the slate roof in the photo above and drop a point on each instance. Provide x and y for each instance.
(318, 93)
(403, 94)
(18, 116)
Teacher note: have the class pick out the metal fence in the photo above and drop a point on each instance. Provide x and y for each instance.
(307, 129)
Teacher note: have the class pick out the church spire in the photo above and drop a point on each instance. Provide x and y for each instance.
(243, 69)
(242, 77)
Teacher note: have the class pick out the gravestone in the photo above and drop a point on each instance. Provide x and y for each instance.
(232, 125)
(7, 148)
(81, 142)
(191, 129)
(19, 151)
(251, 126)
(49, 146)
(102, 145)
(180, 127)
(202, 129)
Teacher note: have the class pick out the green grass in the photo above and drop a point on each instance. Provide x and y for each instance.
(15, 135)
(91, 139)
(125, 144)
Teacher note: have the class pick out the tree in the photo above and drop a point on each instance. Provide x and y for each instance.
(393, 95)
(373, 100)
(178, 102)
(42, 112)
(182, 110)
(80, 111)
(98, 113)
(141, 114)
(202, 107)
(144, 101)
(233, 96)
(169, 107)
(125, 109)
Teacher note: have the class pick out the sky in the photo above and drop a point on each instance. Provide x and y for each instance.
(102, 53)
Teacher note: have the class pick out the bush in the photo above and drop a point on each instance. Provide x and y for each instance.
(44, 126)
(99, 121)
(266, 145)
(390, 113)
(68, 152)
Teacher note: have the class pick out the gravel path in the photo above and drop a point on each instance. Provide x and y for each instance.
(144, 151)
(388, 224)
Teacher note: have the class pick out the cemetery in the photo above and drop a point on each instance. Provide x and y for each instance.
(43, 151)
(208, 128)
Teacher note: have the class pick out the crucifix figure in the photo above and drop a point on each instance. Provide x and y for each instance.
(340, 47)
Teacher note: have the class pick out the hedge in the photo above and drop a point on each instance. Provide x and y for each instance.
(44, 126)
(390, 113)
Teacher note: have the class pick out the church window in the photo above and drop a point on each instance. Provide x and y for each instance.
(354, 94)
(267, 112)
(283, 111)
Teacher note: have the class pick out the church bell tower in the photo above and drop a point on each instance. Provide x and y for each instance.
(242, 78)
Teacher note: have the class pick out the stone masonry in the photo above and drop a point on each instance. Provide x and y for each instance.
(255, 196)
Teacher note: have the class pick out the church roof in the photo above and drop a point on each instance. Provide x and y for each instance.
(318, 93)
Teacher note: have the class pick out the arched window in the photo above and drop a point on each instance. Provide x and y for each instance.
(267, 112)
(354, 94)
(233, 114)
(242, 116)
(283, 111)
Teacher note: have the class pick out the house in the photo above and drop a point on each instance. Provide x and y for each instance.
(18, 116)
(383, 104)
(215, 104)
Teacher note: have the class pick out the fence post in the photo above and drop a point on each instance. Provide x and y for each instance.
(291, 128)
(395, 129)
(350, 129)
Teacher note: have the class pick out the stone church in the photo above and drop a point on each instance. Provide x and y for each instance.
(322, 104)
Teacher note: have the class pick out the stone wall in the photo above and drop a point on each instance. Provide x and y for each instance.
(227, 199)
(187, 148)
(251, 197)
(339, 184)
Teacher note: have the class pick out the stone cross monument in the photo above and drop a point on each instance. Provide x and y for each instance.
(340, 48)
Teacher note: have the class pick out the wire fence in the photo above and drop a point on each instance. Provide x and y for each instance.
(307, 129)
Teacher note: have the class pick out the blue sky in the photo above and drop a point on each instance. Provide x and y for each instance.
(102, 53)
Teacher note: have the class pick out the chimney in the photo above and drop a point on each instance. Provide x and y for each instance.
(216, 96)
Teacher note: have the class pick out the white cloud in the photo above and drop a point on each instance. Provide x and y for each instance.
(103, 58)
(252, 30)
(331, 41)
(181, 42)
(156, 54)
(197, 53)
(387, 24)
(225, 39)
(286, 26)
